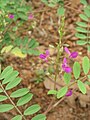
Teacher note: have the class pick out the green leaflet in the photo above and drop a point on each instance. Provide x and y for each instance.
(76, 70)
(18, 117)
(83, 2)
(39, 117)
(23, 100)
(61, 11)
(81, 36)
(67, 78)
(3, 97)
(1, 90)
(6, 72)
(84, 17)
(52, 92)
(32, 109)
(83, 30)
(62, 92)
(19, 93)
(5, 107)
(86, 65)
(82, 87)
(81, 24)
(13, 83)
(81, 42)
(87, 11)
(10, 77)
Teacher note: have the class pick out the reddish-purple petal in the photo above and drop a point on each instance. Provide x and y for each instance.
(30, 16)
(67, 69)
(73, 55)
(11, 16)
(67, 50)
(47, 53)
(42, 56)
(69, 93)
(64, 61)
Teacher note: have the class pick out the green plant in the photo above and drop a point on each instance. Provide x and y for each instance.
(8, 80)
(83, 27)
(53, 3)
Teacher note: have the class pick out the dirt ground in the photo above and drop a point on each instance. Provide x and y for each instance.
(45, 32)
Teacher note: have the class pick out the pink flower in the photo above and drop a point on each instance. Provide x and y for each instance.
(65, 67)
(11, 16)
(45, 56)
(69, 93)
(30, 17)
(71, 55)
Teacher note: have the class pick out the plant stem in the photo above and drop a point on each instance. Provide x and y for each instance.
(59, 50)
(12, 102)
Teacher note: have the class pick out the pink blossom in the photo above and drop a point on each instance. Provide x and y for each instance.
(71, 55)
(65, 66)
(30, 17)
(69, 93)
(45, 56)
(11, 16)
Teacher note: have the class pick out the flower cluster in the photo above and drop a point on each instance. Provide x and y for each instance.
(11, 16)
(65, 66)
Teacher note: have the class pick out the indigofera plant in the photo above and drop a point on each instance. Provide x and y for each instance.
(8, 80)
(83, 27)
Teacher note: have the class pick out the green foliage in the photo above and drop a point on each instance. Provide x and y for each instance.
(5, 107)
(76, 70)
(82, 87)
(22, 47)
(62, 92)
(52, 92)
(39, 117)
(67, 78)
(53, 3)
(18, 117)
(86, 65)
(83, 27)
(32, 109)
(10, 78)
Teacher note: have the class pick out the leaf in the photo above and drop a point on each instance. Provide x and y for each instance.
(18, 117)
(81, 42)
(67, 78)
(22, 16)
(86, 65)
(87, 12)
(61, 11)
(62, 92)
(83, 2)
(19, 92)
(81, 24)
(1, 90)
(32, 109)
(39, 117)
(84, 17)
(6, 49)
(52, 92)
(10, 77)
(88, 47)
(32, 42)
(5, 72)
(81, 36)
(13, 83)
(87, 83)
(83, 30)
(17, 52)
(5, 107)
(23, 100)
(82, 87)
(2, 98)
(76, 70)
